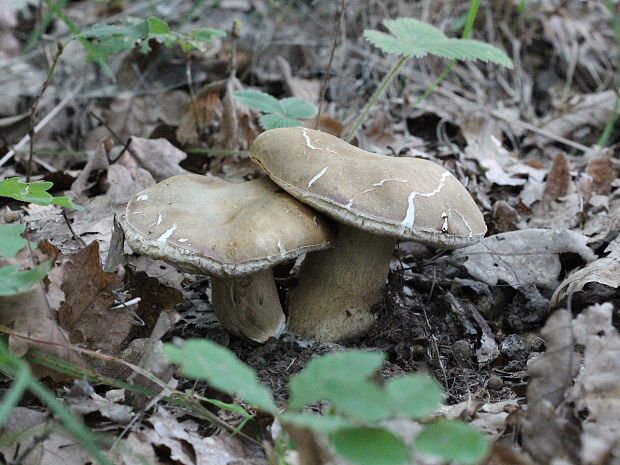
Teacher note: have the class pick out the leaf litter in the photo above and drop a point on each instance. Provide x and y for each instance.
(523, 142)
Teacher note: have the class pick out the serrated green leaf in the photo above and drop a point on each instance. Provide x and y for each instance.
(274, 121)
(294, 107)
(11, 240)
(206, 360)
(14, 281)
(452, 441)
(413, 396)
(369, 446)
(323, 424)
(206, 34)
(33, 192)
(411, 37)
(258, 100)
(325, 376)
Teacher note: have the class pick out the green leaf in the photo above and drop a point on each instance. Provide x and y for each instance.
(294, 107)
(283, 113)
(157, 26)
(206, 360)
(33, 192)
(370, 446)
(411, 37)
(323, 424)
(414, 396)
(13, 281)
(325, 376)
(274, 121)
(452, 441)
(258, 100)
(11, 240)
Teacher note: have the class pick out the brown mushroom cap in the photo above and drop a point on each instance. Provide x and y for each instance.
(210, 226)
(398, 197)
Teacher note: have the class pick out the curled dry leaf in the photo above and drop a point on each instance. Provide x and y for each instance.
(605, 271)
(527, 256)
(558, 178)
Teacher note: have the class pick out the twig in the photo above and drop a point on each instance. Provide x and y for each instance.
(41, 124)
(343, 7)
(33, 109)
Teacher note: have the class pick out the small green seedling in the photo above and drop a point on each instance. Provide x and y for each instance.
(283, 113)
(33, 192)
(103, 41)
(410, 37)
(357, 404)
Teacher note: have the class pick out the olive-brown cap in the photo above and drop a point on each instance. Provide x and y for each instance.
(399, 197)
(207, 225)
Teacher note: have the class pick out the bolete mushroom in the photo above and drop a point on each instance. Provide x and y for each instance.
(234, 232)
(377, 200)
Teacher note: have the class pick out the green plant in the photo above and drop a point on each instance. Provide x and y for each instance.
(283, 113)
(24, 380)
(108, 40)
(410, 37)
(356, 403)
(13, 280)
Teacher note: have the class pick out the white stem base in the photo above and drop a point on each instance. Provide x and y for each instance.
(338, 287)
(248, 306)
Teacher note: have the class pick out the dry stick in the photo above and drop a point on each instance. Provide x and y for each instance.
(343, 6)
(41, 124)
(33, 109)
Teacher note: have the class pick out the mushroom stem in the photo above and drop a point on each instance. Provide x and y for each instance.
(338, 287)
(248, 306)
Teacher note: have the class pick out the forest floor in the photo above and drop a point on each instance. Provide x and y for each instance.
(536, 147)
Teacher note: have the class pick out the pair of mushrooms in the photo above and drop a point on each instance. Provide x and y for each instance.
(236, 232)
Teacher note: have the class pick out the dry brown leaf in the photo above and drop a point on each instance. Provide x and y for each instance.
(28, 429)
(546, 434)
(86, 313)
(605, 271)
(200, 113)
(180, 443)
(527, 256)
(157, 156)
(601, 171)
(596, 389)
(558, 179)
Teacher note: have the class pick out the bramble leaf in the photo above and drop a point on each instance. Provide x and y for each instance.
(203, 359)
(282, 113)
(411, 37)
(452, 441)
(11, 240)
(370, 446)
(33, 192)
(15, 281)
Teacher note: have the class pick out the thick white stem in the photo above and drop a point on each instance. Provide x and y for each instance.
(248, 306)
(338, 287)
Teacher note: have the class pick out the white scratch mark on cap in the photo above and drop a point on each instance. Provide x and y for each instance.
(349, 205)
(444, 224)
(282, 248)
(318, 176)
(383, 181)
(471, 232)
(182, 240)
(410, 216)
(159, 219)
(164, 237)
(135, 213)
(142, 197)
(310, 145)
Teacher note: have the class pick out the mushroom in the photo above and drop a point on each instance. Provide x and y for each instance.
(376, 200)
(234, 232)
